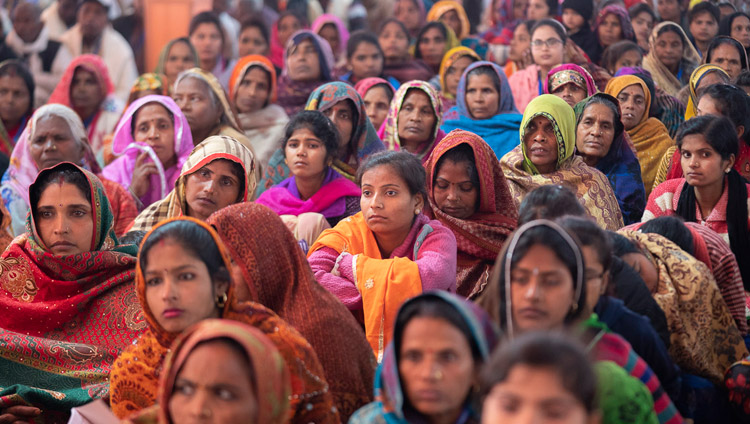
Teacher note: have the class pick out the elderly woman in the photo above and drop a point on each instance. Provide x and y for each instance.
(413, 122)
(570, 82)
(671, 57)
(308, 63)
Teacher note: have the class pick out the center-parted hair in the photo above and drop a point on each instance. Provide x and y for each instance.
(404, 164)
(321, 127)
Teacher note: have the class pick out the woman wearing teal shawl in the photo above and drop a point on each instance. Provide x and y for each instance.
(498, 127)
(545, 156)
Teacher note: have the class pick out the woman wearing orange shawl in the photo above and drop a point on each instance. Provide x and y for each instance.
(457, 20)
(455, 61)
(481, 227)
(649, 136)
(284, 283)
(133, 380)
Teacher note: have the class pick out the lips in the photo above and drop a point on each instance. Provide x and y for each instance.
(532, 313)
(413, 128)
(376, 218)
(428, 396)
(205, 201)
(172, 313)
(62, 244)
(299, 163)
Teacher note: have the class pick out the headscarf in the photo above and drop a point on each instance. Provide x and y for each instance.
(663, 77)
(149, 82)
(448, 60)
(480, 237)
(212, 148)
(227, 117)
(334, 20)
(293, 94)
(622, 15)
(444, 6)
(121, 169)
(499, 131)
(695, 80)
(420, 4)
(391, 139)
(243, 66)
(88, 62)
(562, 118)
(736, 44)
(569, 73)
(21, 70)
(276, 49)
(269, 374)
(285, 284)
(363, 86)
(164, 55)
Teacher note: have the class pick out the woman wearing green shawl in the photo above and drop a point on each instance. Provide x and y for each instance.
(177, 56)
(545, 156)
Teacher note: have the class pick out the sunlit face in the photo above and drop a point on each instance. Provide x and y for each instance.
(254, 90)
(53, 142)
(377, 103)
(631, 58)
(537, 10)
(213, 187)
(740, 30)
(727, 58)
(303, 62)
(643, 266)
(287, 26)
(15, 99)
(387, 204)
(366, 62)
(482, 96)
(632, 105)
(572, 19)
(342, 116)
(432, 46)
(454, 72)
(704, 27)
(394, 42)
(193, 98)
(520, 44)
(451, 19)
(454, 192)
(85, 92)
(179, 58)
(207, 40)
(595, 133)
(305, 155)
(610, 30)
(669, 10)
(329, 33)
(571, 93)
(596, 279)
(252, 42)
(64, 219)
(701, 164)
(408, 13)
(643, 23)
(416, 119)
(547, 47)
(155, 127)
(207, 388)
(540, 142)
(668, 49)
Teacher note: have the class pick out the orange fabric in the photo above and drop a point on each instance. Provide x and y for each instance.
(241, 68)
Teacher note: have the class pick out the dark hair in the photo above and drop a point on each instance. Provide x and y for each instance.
(529, 24)
(726, 40)
(16, 68)
(406, 165)
(725, 26)
(137, 112)
(388, 90)
(359, 37)
(732, 102)
(639, 8)
(206, 18)
(721, 135)
(622, 245)
(439, 25)
(490, 72)
(704, 7)
(321, 126)
(464, 155)
(549, 202)
(557, 26)
(254, 22)
(554, 7)
(62, 173)
(743, 79)
(393, 21)
(673, 228)
(614, 52)
(133, 237)
(590, 235)
(545, 350)
(673, 28)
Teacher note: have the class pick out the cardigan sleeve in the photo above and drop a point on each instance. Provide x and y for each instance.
(334, 272)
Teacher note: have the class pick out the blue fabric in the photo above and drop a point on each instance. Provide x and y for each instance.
(347, 78)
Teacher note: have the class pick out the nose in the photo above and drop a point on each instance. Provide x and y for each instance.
(152, 133)
(539, 136)
(533, 290)
(452, 193)
(376, 202)
(168, 292)
(199, 406)
(208, 186)
(49, 145)
(61, 224)
(693, 161)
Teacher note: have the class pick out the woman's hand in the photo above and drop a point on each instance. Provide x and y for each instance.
(141, 181)
(18, 413)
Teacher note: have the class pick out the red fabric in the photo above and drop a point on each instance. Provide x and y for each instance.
(89, 62)
(741, 163)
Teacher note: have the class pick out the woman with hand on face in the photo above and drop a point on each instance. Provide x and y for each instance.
(393, 38)
(671, 58)
(177, 56)
(413, 122)
(376, 94)
(454, 63)
(545, 156)
(571, 83)
(308, 63)
(70, 273)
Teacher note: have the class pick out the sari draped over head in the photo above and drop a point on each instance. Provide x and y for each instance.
(228, 119)
(363, 86)
(569, 73)
(292, 95)
(695, 80)
(390, 395)
(650, 137)
(666, 108)
(663, 77)
(134, 377)
(626, 27)
(121, 169)
(704, 339)
(444, 6)
(620, 165)
(164, 56)
(64, 319)
(329, 19)
(284, 283)
(211, 149)
(500, 131)
(447, 99)
(151, 82)
(391, 138)
(590, 186)
(480, 237)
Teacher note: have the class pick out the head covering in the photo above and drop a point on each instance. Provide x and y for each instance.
(449, 59)
(420, 4)
(164, 55)
(88, 62)
(695, 80)
(721, 40)
(363, 86)
(562, 118)
(292, 95)
(444, 6)
(569, 73)
(268, 374)
(480, 237)
(663, 77)
(621, 397)
(451, 41)
(622, 15)
(391, 139)
(149, 82)
(584, 8)
(334, 20)
(227, 117)
(285, 284)
(243, 66)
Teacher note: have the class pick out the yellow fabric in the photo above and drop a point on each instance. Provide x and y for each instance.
(663, 77)
(695, 79)
(664, 166)
(449, 59)
(442, 7)
(563, 120)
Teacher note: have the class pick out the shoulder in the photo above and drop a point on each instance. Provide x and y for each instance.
(372, 413)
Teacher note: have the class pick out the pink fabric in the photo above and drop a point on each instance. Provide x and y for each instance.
(525, 86)
(327, 18)
(284, 198)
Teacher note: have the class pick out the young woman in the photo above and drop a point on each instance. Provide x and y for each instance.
(393, 38)
(177, 56)
(365, 59)
(485, 107)
(737, 26)
(671, 57)
(622, 54)
(612, 25)
(287, 24)
(413, 122)
(570, 82)
(157, 122)
(308, 63)
(416, 381)
(390, 244)
(728, 54)
(376, 94)
(412, 15)
(16, 102)
(182, 278)
(542, 9)
(433, 41)
(454, 63)
(332, 29)
(702, 77)
(255, 39)
(519, 53)
(468, 193)
(207, 35)
(642, 17)
(453, 15)
(545, 156)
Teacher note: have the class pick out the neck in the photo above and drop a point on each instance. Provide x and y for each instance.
(411, 146)
(88, 42)
(9, 125)
(590, 160)
(447, 417)
(209, 65)
(543, 71)
(546, 169)
(708, 196)
(86, 112)
(307, 187)
(702, 47)
(200, 135)
(387, 243)
(170, 163)
(674, 69)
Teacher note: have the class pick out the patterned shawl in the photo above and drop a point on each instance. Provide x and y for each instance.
(212, 148)
(444, 6)
(284, 283)
(134, 376)
(663, 77)
(390, 397)
(500, 131)
(448, 99)
(480, 237)
(391, 138)
(164, 55)
(704, 338)
(569, 73)
(65, 319)
(292, 95)
(650, 137)
(148, 82)
(590, 186)
(695, 80)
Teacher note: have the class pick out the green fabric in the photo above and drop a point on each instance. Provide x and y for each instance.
(622, 399)
(563, 120)
(165, 51)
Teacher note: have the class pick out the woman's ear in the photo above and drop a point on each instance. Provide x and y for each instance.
(419, 203)
(740, 131)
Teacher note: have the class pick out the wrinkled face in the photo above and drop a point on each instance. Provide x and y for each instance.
(701, 164)
(64, 219)
(253, 91)
(342, 116)
(537, 10)
(520, 44)
(668, 49)
(669, 10)
(704, 27)
(288, 25)
(451, 19)
(394, 42)
(631, 58)
(366, 62)
(436, 367)
(547, 47)
(740, 30)
(252, 42)
(571, 93)
(154, 126)
(387, 205)
(632, 105)
(207, 389)
(541, 144)
(303, 62)
(541, 290)
(179, 58)
(453, 190)
(85, 92)
(643, 23)
(572, 19)
(376, 105)
(432, 46)
(595, 132)
(193, 98)
(53, 142)
(454, 72)
(416, 118)
(408, 13)
(596, 280)
(92, 18)
(641, 264)
(305, 154)
(707, 105)
(727, 58)
(329, 33)
(610, 30)
(15, 99)
(213, 187)
(482, 96)
(207, 42)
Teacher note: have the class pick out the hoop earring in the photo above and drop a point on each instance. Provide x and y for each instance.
(221, 300)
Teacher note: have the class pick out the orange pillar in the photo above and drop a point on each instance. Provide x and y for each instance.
(166, 20)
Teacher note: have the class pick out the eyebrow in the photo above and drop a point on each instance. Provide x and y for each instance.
(382, 186)
(75, 205)
(545, 273)
(178, 268)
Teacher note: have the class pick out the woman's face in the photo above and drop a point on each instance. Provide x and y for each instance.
(541, 144)
(454, 72)
(610, 30)
(305, 154)
(329, 33)
(287, 26)
(408, 13)
(710, 78)
(643, 266)
(15, 99)
(537, 10)
(740, 30)
(704, 27)
(252, 42)
(707, 105)
(533, 394)
(179, 58)
(213, 187)
(64, 219)
(432, 46)
(366, 62)
(253, 91)
(387, 205)
(643, 23)
(549, 51)
(701, 164)
(436, 367)
(631, 58)
(154, 126)
(453, 191)
(376, 105)
(520, 43)
(207, 41)
(394, 42)
(342, 116)
(482, 96)
(571, 93)
(85, 92)
(451, 19)
(303, 62)
(595, 132)
(632, 105)
(727, 58)
(668, 49)
(179, 289)
(207, 389)
(519, 9)
(193, 98)
(416, 118)
(53, 142)
(541, 290)
(596, 280)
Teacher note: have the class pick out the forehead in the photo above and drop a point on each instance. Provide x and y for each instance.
(191, 84)
(545, 32)
(383, 174)
(417, 96)
(599, 111)
(669, 36)
(151, 110)
(540, 120)
(221, 166)
(633, 90)
(52, 124)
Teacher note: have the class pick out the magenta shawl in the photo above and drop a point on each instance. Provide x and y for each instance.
(284, 198)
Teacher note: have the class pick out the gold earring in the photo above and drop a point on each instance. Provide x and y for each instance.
(417, 212)
(221, 300)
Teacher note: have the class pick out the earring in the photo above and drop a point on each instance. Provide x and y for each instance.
(726, 171)
(574, 307)
(221, 300)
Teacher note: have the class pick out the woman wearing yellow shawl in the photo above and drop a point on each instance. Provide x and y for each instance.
(649, 136)
(671, 57)
(702, 77)
(545, 156)
(455, 61)
(452, 14)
